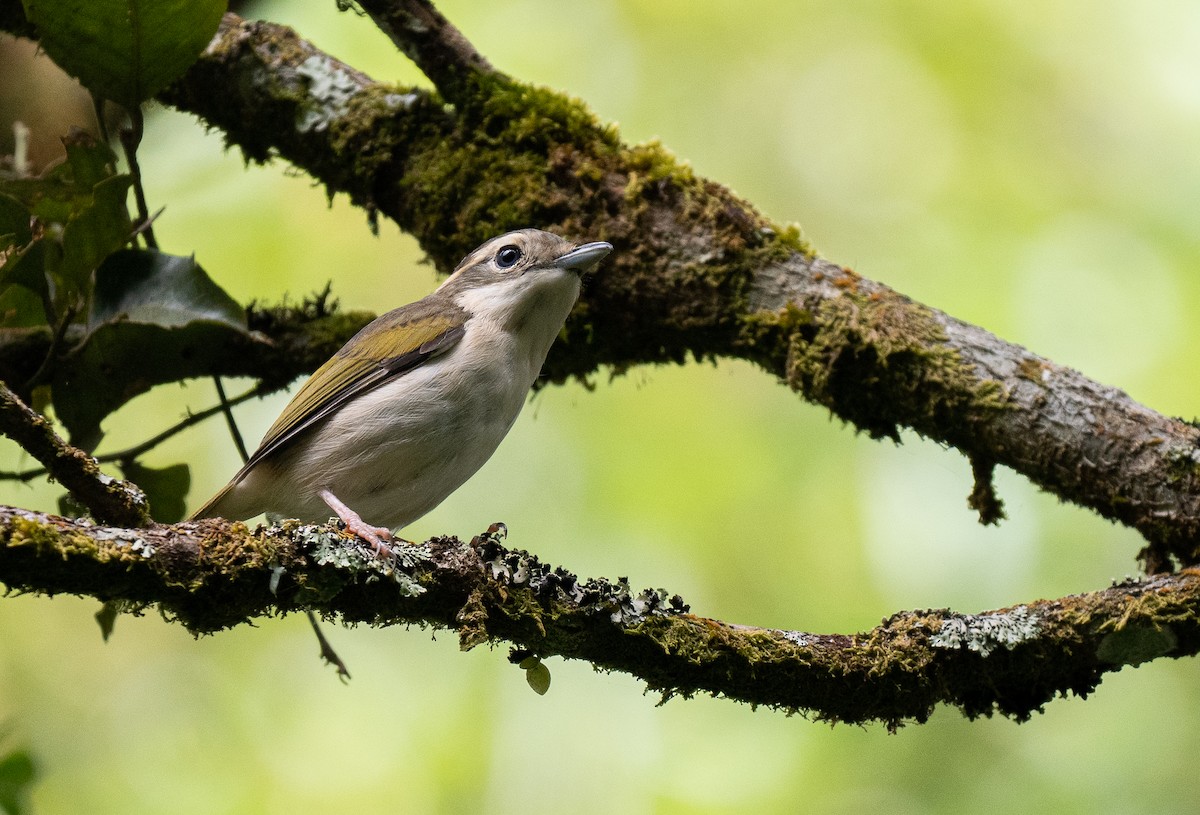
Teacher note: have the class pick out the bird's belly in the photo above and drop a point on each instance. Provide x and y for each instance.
(395, 453)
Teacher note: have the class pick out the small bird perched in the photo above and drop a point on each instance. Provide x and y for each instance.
(420, 398)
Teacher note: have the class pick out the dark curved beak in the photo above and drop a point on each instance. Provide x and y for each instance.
(584, 258)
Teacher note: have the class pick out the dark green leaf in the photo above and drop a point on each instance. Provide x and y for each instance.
(166, 290)
(106, 618)
(21, 308)
(17, 772)
(125, 50)
(20, 257)
(123, 359)
(79, 217)
(14, 221)
(166, 487)
(94, 234)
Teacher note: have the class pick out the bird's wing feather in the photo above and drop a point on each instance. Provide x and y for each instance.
(393, 344)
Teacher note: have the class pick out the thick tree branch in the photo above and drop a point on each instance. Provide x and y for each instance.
(109, 499)
(213, 575)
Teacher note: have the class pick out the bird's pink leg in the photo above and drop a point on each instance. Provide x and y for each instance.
(374, 535)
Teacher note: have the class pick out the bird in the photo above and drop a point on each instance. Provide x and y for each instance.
(415, 403)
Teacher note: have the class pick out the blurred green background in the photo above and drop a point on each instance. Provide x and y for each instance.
(1033, 168)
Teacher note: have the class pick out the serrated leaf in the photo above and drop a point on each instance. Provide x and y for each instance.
(166, 290)
(166, 487)
(125, 50)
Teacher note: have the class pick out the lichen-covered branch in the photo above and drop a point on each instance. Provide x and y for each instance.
(213, 575)
(109, 499)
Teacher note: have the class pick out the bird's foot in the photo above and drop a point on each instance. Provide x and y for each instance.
(373, 535)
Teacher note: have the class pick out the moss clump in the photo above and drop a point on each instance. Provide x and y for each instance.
(533, 118)
(27, 531)
(873, 356)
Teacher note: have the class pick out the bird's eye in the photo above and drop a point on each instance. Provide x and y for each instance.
(507, 257)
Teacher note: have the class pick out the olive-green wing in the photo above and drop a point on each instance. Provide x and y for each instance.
(388, 347)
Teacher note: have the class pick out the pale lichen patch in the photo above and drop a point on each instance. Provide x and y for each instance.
(984, 633)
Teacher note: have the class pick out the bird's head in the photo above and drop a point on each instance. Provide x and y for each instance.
(523, 276)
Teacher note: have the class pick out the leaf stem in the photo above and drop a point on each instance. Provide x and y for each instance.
(131, 137)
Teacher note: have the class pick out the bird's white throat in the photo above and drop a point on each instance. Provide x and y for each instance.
(532, 307)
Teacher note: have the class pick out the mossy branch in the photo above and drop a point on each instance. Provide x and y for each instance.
(213, 575)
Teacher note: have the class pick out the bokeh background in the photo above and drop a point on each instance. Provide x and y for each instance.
(1031, 167)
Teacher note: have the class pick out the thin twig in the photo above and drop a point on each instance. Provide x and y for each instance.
(110, 500)
(131, 137)
(226, 407)
(56, 340)
(327, 653)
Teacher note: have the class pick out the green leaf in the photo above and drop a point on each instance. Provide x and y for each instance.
(155, 317)
(64, 188)
(17, 772)
(64, 223)
(94, 234)
(20, 256)
(106, 617)
(537, 675)
(166, 487)
(21, 308)
(14, 221)
(125, 50)
(167, 290)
